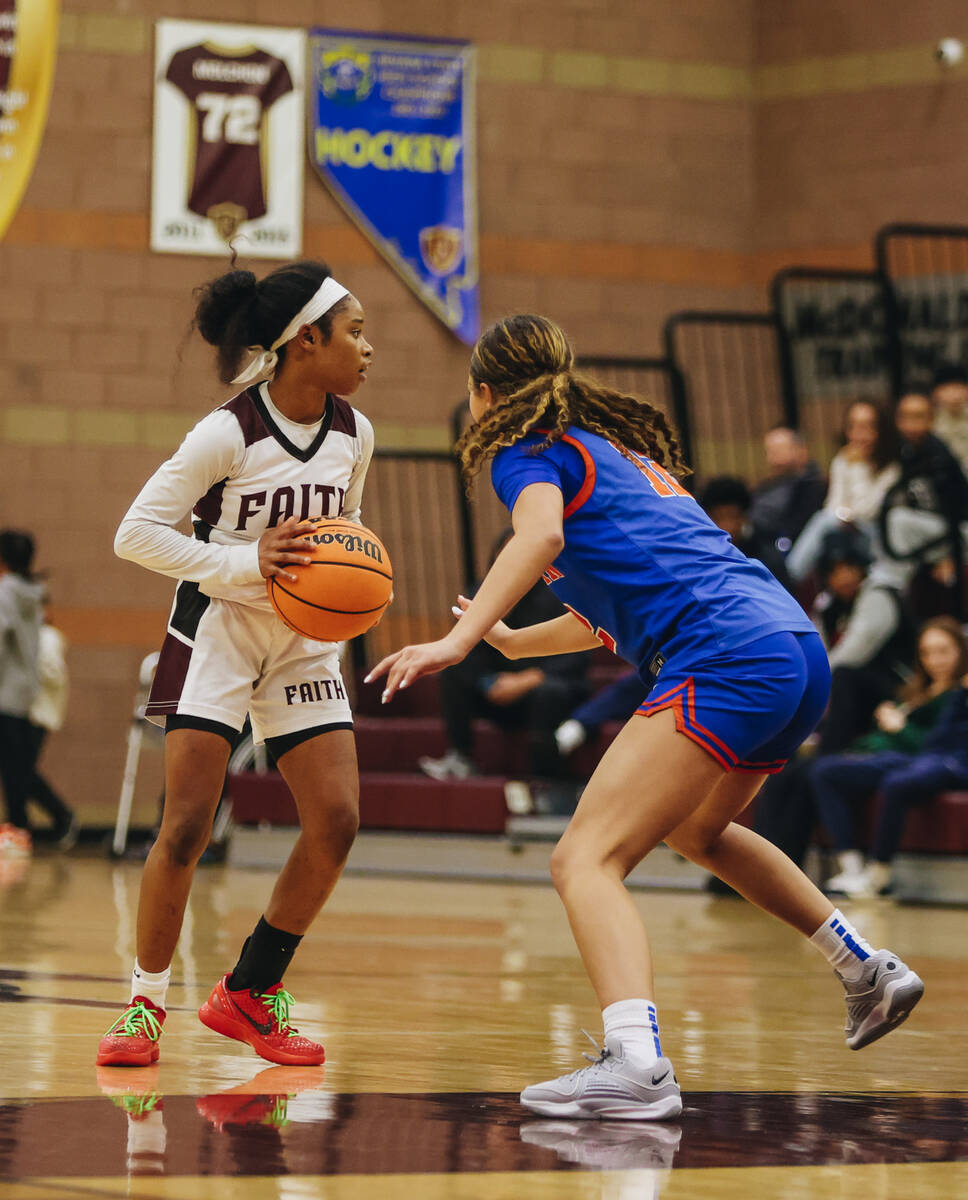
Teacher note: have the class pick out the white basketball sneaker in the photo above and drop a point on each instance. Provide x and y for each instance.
(612, 1088)
(880, 1000)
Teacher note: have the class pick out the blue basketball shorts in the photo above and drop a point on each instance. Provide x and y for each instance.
(751, 707)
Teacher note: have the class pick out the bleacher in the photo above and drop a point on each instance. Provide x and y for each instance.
(828, 337)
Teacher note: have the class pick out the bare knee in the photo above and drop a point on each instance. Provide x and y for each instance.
(332, 833)
(561, 861)
(698, 845)
(570, 859)
(183, 841)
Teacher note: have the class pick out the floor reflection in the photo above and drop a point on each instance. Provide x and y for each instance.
(283, 1122)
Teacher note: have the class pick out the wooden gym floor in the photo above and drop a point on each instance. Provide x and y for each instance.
(437, 1002)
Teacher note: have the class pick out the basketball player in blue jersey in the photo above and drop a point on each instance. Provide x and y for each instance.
(740, 678)
(285, 449)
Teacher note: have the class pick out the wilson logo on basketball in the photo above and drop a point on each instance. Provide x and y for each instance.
(344, 588)
(352, 543)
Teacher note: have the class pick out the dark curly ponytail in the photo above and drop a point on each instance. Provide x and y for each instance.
(236, 310)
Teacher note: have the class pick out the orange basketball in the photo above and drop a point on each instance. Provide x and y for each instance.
(345, 588)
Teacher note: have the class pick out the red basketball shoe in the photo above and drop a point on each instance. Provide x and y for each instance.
(262, 1020)
(132, 1041)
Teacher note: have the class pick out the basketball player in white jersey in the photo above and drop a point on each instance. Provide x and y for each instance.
(285, 449)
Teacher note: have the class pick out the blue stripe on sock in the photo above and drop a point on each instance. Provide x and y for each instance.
(654, 1022)
(848, 941)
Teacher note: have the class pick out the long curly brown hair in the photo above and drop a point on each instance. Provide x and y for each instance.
(918, 688)
(528, 363)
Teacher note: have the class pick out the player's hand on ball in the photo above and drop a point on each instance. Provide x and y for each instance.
(499, 633)
(283, 545)
(408, 664)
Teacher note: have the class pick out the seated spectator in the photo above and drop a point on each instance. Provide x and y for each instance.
(860, 475)
(919, 749)
(792, 492)
(726, 501)
(921, 515)
(614, 702)
(46, 715)
(949, 395)
(868, 631)
(533, 694)
(21, 603)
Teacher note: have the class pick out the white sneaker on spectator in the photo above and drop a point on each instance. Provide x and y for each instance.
(570, 735)
(851, 874)
(874, 880)
(453, 765)
(68, 835)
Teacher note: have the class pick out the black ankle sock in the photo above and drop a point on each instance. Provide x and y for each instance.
(265, 956)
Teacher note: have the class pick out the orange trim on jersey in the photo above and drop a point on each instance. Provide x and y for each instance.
(690, 690)
(681, 699)
(588, 486)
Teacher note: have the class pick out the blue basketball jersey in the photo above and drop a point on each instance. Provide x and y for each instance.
(643, 566)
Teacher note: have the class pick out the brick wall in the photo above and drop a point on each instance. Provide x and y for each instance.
(634, 158)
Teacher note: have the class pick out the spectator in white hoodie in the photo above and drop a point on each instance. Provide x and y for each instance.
(46, 716)
(860, 475)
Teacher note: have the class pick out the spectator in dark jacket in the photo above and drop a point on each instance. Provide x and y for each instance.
(533, 694)
(21, 616)
(919, 749)
(949, 395)
(726, 500)
(792, 492)
(920, 518)
(870, 639)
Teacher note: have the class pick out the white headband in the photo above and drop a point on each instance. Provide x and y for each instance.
(263, 366)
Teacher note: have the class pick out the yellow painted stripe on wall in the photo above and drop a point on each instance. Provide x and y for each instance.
(499, 254)
(51, 425)
(903, 66)
(142, 628)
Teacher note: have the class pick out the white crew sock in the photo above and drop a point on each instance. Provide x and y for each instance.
(632, 1030)
(152, 987)
(842, 946)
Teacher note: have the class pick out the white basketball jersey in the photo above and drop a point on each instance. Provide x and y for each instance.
(239, 474)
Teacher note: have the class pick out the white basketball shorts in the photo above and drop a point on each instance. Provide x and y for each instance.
(221, 660)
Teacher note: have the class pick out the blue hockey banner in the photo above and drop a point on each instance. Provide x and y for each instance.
(392, 126)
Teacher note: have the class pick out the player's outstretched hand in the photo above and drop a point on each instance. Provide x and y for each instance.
(408, 664)
(499, 633)
(283, 545)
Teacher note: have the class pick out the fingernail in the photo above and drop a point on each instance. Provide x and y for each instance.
(385, 697)
(367, 678)
(455, 610)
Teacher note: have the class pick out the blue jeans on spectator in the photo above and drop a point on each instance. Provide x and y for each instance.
(841, 781)
(616, 702)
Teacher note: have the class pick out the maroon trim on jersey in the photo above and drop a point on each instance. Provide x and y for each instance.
(290, 447)
(209, 508)
(344, 418)
(170, 676)
(248, 410)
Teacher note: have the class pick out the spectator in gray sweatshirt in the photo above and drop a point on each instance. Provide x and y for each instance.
(21, 616)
